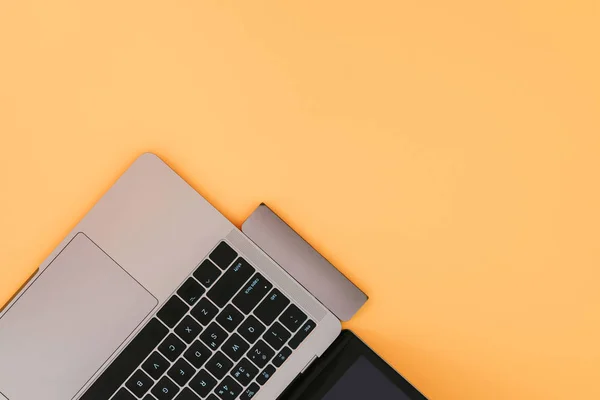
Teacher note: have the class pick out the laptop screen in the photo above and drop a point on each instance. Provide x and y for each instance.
(364, 381)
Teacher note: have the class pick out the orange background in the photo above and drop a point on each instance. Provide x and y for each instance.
(444, 155)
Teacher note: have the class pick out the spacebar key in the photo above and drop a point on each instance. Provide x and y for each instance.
(231, 281)
(126, 362)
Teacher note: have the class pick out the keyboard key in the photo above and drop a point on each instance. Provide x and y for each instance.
(187, 394)
(149, 397)
(204, 311)
(265, 375)
(252, 293)
(172, 311)
(191, 291)
(219, 365)
(213, 336)
(277, 336)
(228, 389)
(139, 383)
(207, 273)
(230, 318)
(188, 329)
(270, 308)
(203, 383)
(212, 397)
(181, 372)
(292, 318)
(223, 255)
(165, 389)
(251, 329)
(124, 394)
(299, 337)
(231, 281)
(235, 347)
(260, 354)
(282, 356)
(250, 392)
(128, 361)
(155, 365)
(197, 354)
(171, 347)
(244, 372)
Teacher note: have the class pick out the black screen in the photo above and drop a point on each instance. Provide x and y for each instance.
(364, 381)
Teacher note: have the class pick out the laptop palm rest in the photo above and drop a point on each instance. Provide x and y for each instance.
(68, 323)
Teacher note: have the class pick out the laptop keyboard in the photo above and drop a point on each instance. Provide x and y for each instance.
(222, 336)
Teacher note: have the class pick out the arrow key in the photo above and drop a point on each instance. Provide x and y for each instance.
(207, 273)
(191, 291)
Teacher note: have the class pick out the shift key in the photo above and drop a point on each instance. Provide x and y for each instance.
(231, 281)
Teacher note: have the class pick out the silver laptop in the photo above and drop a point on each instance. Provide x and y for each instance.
(154, 295)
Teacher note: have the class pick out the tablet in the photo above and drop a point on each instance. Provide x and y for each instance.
(350, 370)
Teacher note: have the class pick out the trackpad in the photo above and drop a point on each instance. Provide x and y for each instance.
(68, 322)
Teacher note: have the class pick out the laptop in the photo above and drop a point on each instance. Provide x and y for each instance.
(155, 295)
